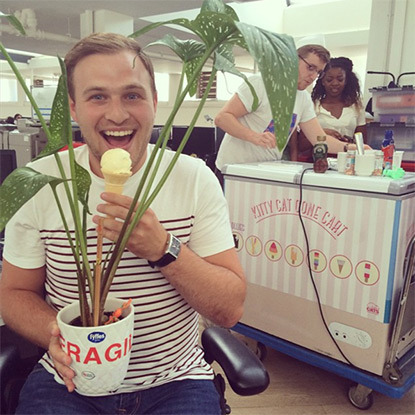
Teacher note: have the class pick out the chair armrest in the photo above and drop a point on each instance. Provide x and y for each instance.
(9, 356)
(245, 372)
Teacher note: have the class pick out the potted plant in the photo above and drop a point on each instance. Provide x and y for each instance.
(219, 31)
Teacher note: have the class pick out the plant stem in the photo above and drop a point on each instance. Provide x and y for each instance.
(97, 288)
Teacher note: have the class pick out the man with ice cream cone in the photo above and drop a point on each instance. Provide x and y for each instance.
(180, 258)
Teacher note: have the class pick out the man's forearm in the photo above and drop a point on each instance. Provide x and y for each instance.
(215, 291)
(233, 127)
(28, 315)
(334, 145)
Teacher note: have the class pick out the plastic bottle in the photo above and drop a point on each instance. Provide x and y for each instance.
(350, 162)
(320, 155)
(378, 163)
(388, 148)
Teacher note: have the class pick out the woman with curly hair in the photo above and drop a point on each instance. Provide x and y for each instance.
(338, 106)
(338, 102)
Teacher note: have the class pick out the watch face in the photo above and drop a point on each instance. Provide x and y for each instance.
(174, 246)
(171, 254)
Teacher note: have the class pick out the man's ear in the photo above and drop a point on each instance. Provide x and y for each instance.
(72, 109)
(155, 101)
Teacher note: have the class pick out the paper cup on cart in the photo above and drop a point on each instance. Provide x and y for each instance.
(397, 159)
(364, 164)
(100, 355)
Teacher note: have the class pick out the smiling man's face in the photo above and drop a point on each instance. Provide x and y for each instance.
(114, 105)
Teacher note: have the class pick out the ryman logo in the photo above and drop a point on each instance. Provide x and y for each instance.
(96, 337)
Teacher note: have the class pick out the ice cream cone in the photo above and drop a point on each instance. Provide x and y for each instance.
(116, 169)
(114, 182)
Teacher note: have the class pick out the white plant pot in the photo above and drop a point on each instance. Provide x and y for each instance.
(100, 355)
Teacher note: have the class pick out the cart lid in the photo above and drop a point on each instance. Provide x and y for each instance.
(290, 172)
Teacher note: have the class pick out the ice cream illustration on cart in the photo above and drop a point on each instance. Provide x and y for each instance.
(293, 255)
(253, 245)
(316, 260)
(340, 265)
(238, 240)
(367, 272)
(273, 250)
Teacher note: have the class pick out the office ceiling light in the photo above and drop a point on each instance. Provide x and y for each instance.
(308, 2)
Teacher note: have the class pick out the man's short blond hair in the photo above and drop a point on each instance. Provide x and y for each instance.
(318, 50)
(104, 43)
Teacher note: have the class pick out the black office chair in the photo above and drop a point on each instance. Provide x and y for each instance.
(201, 143)
(11, 378)
(8, 163)
(244, 371)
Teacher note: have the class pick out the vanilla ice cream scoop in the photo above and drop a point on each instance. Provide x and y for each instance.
(116, 169)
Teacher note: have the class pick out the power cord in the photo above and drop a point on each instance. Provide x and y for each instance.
(311, 271)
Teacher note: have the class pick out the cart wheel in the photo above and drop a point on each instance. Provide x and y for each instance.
(261, 351)
(360, 399)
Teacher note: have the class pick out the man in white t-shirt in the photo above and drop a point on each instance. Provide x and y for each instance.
(249, 134)
(114, 100)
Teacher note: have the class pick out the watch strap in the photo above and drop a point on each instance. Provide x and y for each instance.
(170, 255)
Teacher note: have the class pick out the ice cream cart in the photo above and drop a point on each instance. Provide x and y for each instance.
(324, 256)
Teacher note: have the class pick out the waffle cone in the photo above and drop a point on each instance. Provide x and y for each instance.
(114, 182)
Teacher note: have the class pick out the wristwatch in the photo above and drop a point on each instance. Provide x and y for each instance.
(170, 255)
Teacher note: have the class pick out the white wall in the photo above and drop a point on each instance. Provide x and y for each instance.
(391, 42)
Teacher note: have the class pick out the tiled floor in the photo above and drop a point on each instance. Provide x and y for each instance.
(299, 388)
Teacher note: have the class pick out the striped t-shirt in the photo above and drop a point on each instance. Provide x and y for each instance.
(191, 206)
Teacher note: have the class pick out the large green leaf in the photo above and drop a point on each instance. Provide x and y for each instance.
(213, 6)
(180, 22)
(15, 22)
(61, 135)
(56, 140)
(83, 182)
(189, 51)
(190, 69)
(213, 27)
(186, 50)
(224, 62)
(277, 61)
(60, 119)
(19, 187)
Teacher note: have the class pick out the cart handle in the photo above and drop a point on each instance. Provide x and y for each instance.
(383, 73)
(404, 73)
